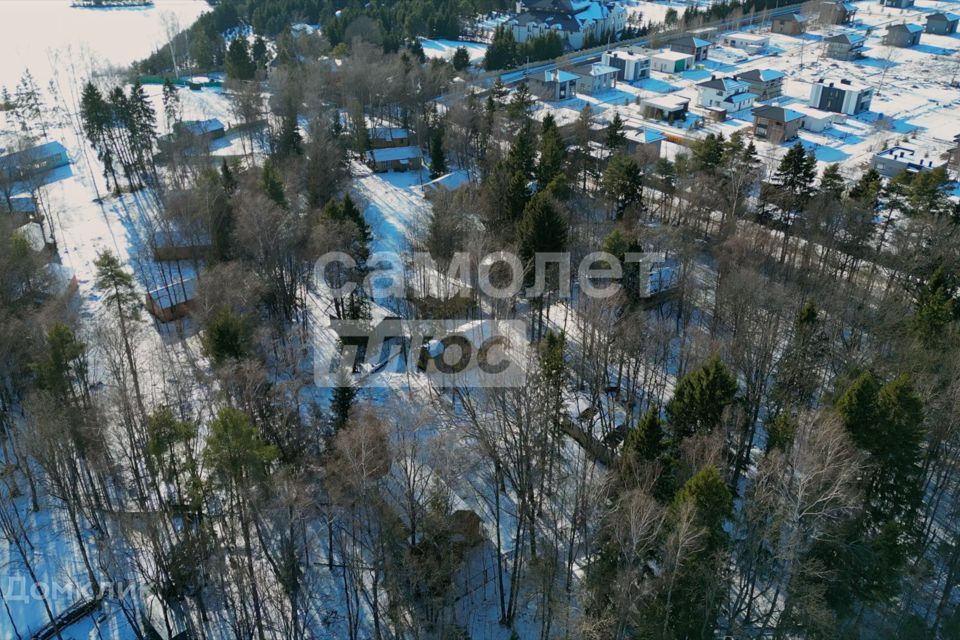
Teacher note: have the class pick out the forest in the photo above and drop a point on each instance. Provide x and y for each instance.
(766, 450)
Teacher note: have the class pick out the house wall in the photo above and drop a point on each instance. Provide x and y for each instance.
(941, 28)
(787, 27)
(766, 90)
(776, 131)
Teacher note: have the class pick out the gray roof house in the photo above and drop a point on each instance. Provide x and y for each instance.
(903, 35)
(766, 84)
(837, 12)
(695, 47)
(942, 24)
(554, 85)
(789, 25)
(776, 124)
(844, 46)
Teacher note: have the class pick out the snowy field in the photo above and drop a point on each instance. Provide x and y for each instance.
(446, 48)
(44, 35)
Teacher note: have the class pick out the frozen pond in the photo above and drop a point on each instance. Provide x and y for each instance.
(38, 34)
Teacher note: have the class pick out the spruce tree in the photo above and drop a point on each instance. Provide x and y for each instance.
(438, 158)
(700, 398)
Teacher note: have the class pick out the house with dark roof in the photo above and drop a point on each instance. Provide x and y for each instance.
(897, 4)
(791, 24)
(942, 24)
(554, 85)
(903, 35)
(29, 162)
(766, 84)
(690, 45)
(388, 137)
(837, 12)
(728, 94)
(202, 129)
(776, 124)
(844, 46)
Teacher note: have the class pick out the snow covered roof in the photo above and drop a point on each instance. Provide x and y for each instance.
(175, 293)
(388, 133)
(778, 114)
(595, 70)
(558, 75)
(844, 84)
(909, 28)
(627, 54)
(672, 55)
(943, 17)
(394, 154)
(846, 38)
(202, 127)
(688, 41)
(724, 84)
(760, 75)
(747, 37)
(668, 102)
(33, 154)
(792, 17)
(643, 136)
(32, 232)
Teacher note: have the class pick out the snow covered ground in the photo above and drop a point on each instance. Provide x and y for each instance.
(445, 48)
(47, 34)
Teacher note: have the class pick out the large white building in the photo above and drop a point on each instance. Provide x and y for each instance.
(573, 20)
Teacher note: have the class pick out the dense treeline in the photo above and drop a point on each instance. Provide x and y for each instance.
(388, 24)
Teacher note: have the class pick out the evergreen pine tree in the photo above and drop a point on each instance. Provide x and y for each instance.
(438, 158)
(700, 398)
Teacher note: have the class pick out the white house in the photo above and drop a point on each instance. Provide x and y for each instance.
(573, 20)
(672, 62)
(750, 42)
(725, 93)
(815, 120)
(906, 157)
(631, 65)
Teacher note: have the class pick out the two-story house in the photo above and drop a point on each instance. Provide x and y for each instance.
(725, 93)
(766, 84)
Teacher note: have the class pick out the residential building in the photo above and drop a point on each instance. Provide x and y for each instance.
(897, 4)
(695, 47)
(394, 159)
(728, 94)
(903, 35)
(172, 301)
(815, 120)
(575, 21)
(905, 157)
(792, 24)
(595, 78)
(45, 157)
(837, 12)
(672, 62)
(208, 130)
(554, 85)
(669, 107)
(644, 141)
(766, 84)
(750, 42)
(388, 137)
(844, 96)
(844, 46)
(631, 65)
(776, 124)
(942, 24)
